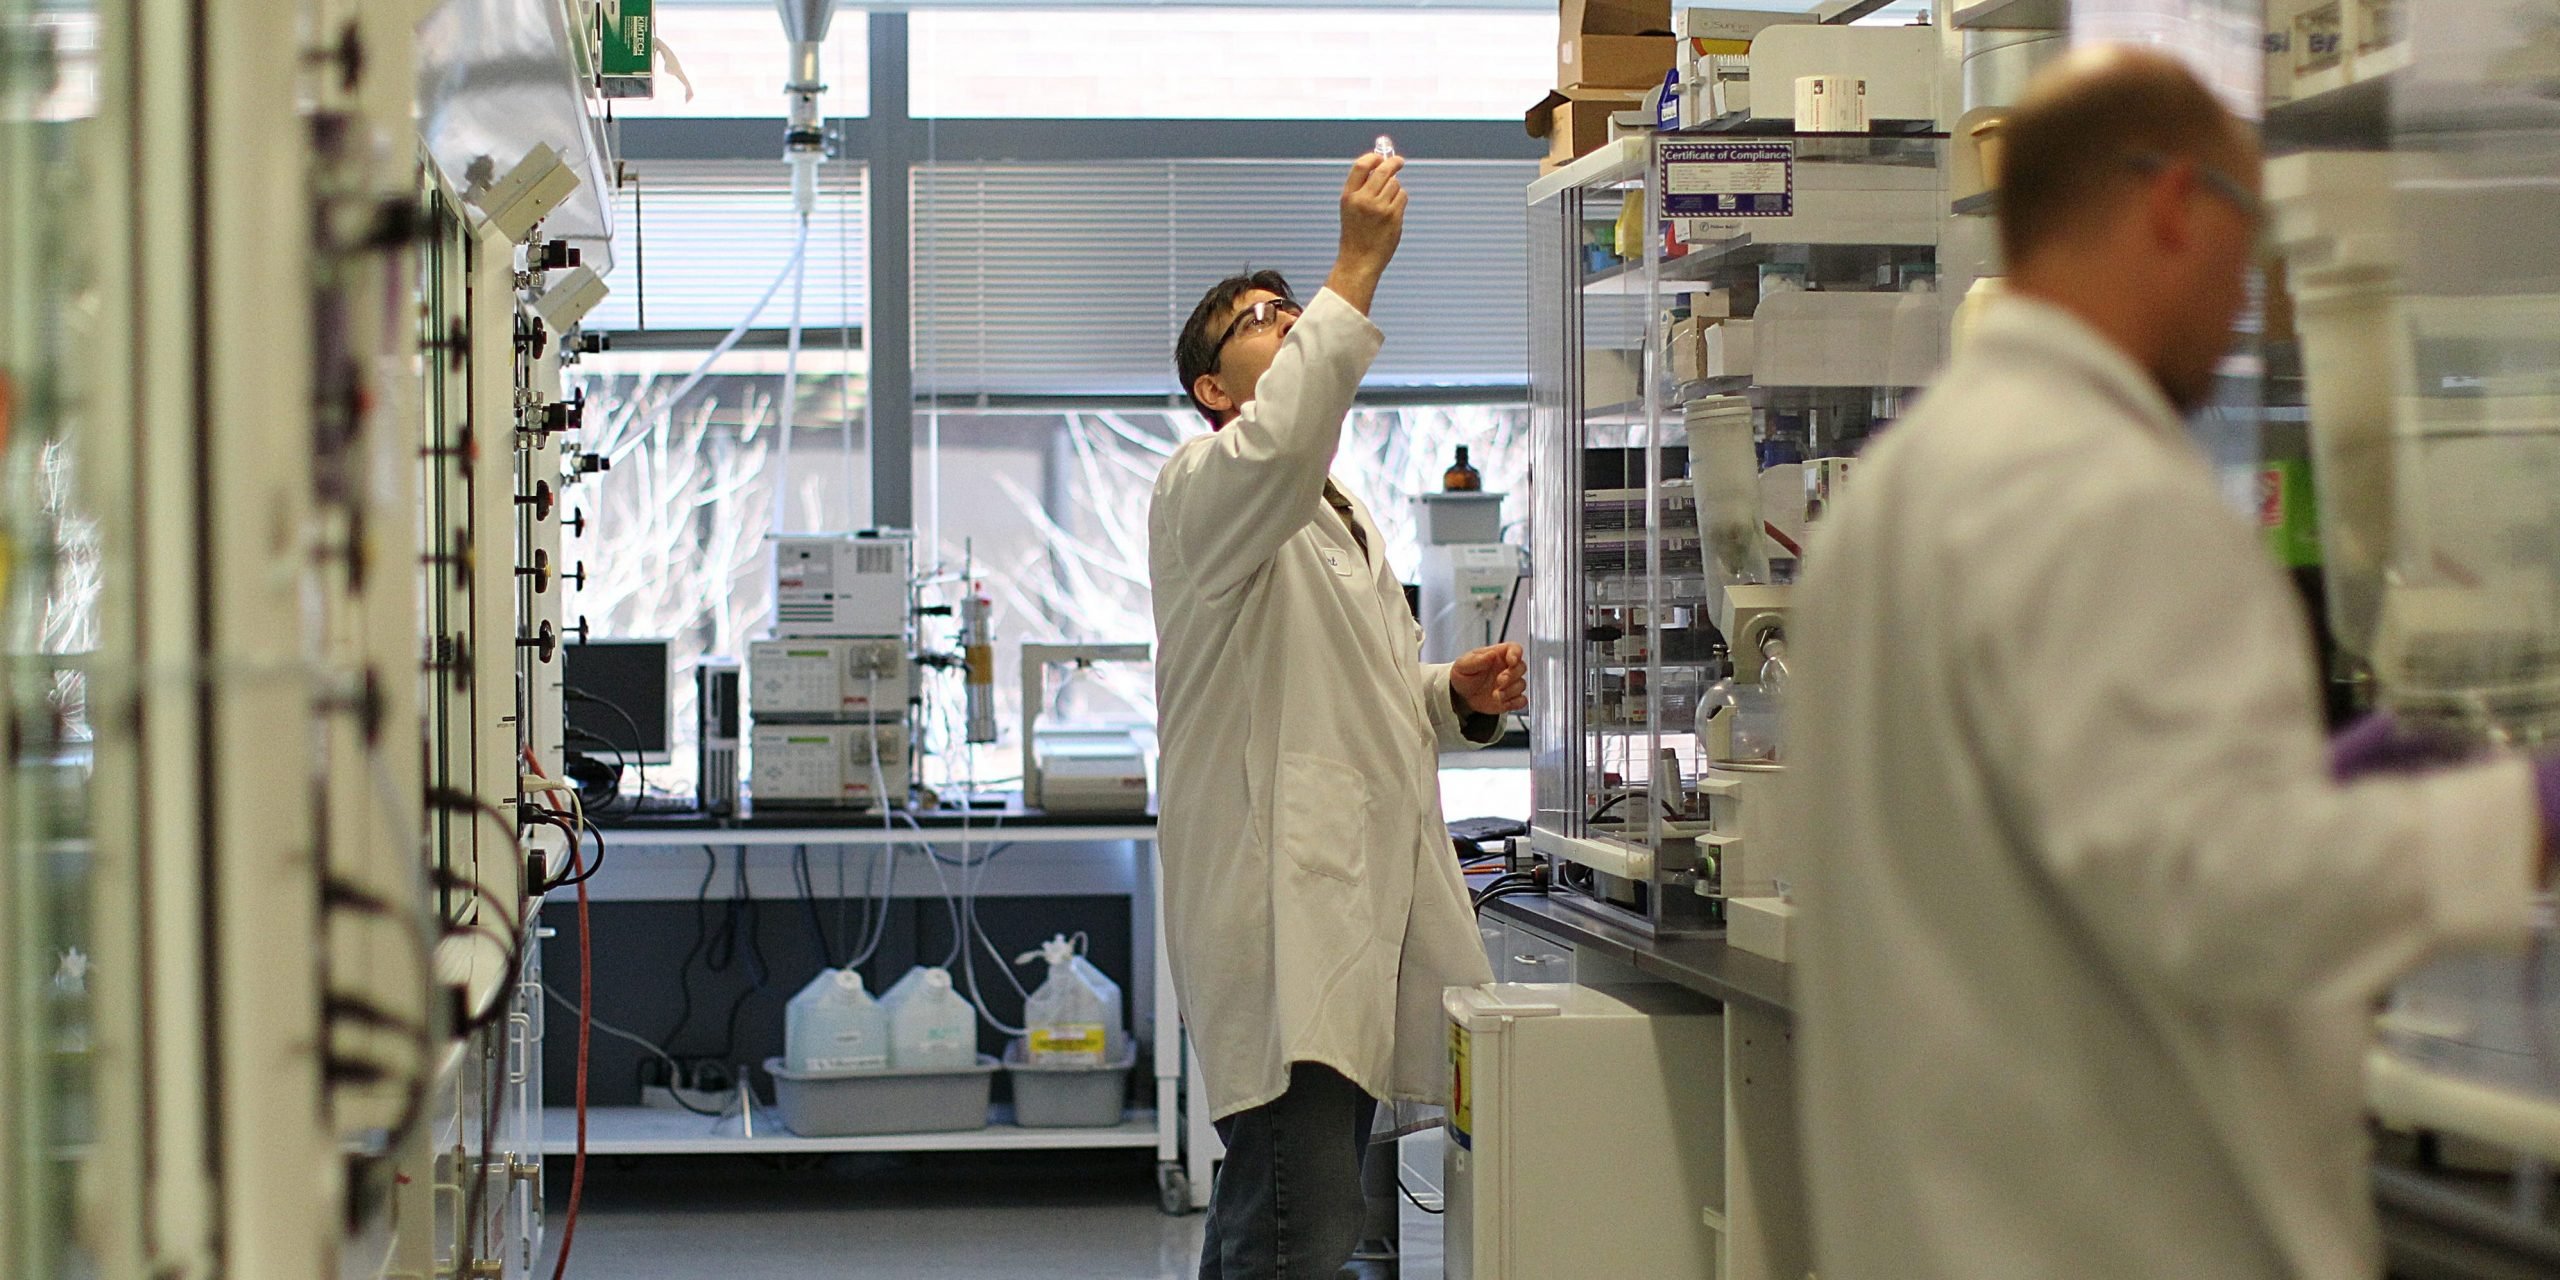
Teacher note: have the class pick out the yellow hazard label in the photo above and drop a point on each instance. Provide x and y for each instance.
(1070, 1044)
(1462, 1103)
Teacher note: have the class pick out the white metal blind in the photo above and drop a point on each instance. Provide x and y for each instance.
(1064, 279)
(704, 239)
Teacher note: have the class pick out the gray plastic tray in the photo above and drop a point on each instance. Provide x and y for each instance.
(1068, 1097)
(847, 1104)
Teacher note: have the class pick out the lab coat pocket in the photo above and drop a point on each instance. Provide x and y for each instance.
(1320, 817)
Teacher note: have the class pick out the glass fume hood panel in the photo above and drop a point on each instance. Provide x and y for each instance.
(1774, 331)
(49, 585)
(499, 78)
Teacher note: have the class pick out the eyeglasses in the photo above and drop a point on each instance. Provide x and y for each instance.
(1260, 318)
(2214, 180)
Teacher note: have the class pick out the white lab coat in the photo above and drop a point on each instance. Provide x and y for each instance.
(2088, 939)
(1313, 905)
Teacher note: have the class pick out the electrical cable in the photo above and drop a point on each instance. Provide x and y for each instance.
(588, 874)
(684, 968)
(808, 888)
(639, 740)
(1408, 1194)
(744, 923)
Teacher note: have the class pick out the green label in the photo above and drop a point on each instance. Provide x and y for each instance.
(630, 36)
(2287, 513)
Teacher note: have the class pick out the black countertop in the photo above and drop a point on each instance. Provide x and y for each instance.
(1702, 964)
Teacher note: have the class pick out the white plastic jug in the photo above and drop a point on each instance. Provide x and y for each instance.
(901, 989)
(931, 1026)
(1075, 1018)
(835, 1025)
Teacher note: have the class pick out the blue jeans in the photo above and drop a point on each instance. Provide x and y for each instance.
(1288, 1202)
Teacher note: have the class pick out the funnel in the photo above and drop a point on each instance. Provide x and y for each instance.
(805, 21)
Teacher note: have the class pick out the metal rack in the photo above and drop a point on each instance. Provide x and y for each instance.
(1664, 565)
(1080, 858)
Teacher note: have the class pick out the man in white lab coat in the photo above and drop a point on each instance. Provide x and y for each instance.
(1313, 904)
(2091, 931)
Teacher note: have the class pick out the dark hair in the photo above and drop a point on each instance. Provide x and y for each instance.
(1195, 353)
(2077, 137)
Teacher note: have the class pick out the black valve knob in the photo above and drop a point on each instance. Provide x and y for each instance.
(363, 703)
(555, 255)
(397, 223)
(565, 415)
(347, 55)
(530, 338)
(539, 499)
(578, 523)
(544, 642)
(578, 576)
(539, 571)
(591, 463)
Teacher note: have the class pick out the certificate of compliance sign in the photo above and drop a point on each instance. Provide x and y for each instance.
(1728, 179)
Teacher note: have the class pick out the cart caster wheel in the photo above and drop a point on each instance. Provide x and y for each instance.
(1173, 1190)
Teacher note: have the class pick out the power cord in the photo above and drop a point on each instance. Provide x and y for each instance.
(639, 741)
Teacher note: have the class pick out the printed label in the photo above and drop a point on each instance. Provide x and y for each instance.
(1728, 179)
(1075, 1044)
(866, 1062)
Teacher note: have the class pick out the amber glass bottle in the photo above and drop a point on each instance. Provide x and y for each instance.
(1460, 477)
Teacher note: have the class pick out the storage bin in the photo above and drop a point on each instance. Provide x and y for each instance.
(1068, 1097)
(844, 1104)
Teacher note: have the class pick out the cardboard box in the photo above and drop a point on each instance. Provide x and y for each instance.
(1575, 122)
(1614, 44)
(1688, 353)
(1730, 351)
(1615, 62)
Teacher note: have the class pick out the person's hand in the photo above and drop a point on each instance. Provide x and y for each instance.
(1491, 680)
(2380, 744)
(1372, 226)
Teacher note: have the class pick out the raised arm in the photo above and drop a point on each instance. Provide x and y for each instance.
(1228, 502)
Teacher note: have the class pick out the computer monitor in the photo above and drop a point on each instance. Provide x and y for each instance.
(614, 700)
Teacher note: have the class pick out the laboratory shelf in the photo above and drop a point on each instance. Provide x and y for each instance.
(2013, 15)
(1627, 278)
(1617, 162)
(650, 1131)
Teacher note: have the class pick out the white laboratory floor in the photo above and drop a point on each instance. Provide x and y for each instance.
(945, 1217)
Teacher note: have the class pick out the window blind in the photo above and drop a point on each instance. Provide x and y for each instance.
(704, 239)
(1066, 279)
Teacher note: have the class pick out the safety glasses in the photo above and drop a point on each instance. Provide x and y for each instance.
(1260, 318)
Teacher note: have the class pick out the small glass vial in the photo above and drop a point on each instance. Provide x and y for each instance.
(1461, 477)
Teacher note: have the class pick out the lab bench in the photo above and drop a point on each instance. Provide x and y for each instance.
(1042, 855)
(2435, 1226)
